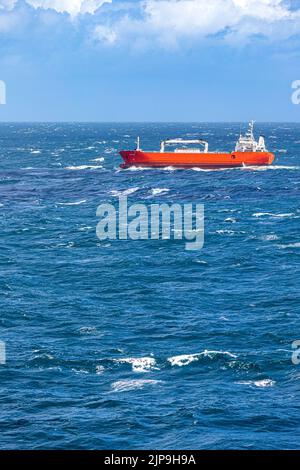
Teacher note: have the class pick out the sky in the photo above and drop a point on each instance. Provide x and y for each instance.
(149, 60)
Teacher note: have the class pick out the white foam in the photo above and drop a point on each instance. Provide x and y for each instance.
(84, 167)
(35, 152)
(75, 203)
(269, 214)
(87, 330)
(186, 359)
(135, 168)
(127, 385)
(290, 245)
(225, 232)
(183, 360)
(230, 220)
(270, 237)
(99, 370)
(99, 159)
(80, 371)
(258, 383)
(271, 167)
(156, 191)
(264, 383)
(125, 192)
(141, 364)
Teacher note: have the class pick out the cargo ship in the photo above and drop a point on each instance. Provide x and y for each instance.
(248, 152)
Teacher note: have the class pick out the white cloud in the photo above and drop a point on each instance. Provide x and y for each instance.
(72, 7)
(7, 4)
(105, 34)
(169, 21)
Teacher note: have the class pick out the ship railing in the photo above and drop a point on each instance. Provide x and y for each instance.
(165, 143)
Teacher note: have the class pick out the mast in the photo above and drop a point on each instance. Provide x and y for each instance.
(138, 144)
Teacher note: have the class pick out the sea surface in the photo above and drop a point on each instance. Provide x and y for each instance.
(142, 344)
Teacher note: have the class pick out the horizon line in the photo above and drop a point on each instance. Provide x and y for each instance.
(146, 122)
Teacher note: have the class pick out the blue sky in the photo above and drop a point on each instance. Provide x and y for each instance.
(149, 60)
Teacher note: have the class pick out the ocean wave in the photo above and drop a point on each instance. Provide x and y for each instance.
(225, 232)
(127, 385)
(125, 192)
(88, 330)
(157, 191)
(269, 238)
(84, 167)
(98, 159)
(269, 214)
(271, 167)
(186, 359)
(142, 364)
(100, 370)
(264, 383)
(290, 245)
(75, 203)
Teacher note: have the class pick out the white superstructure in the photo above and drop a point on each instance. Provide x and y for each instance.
(247, 142)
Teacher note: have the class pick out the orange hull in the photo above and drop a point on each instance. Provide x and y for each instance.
(200, 160)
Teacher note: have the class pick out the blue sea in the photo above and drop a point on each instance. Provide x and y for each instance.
(143, 344)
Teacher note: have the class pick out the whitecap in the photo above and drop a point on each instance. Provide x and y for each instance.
(87, 330)
(156, 191)
(258, 383)
(84, 167)
(125, 192)
(264, 383)
(290, 245)
(230, 220)
(127, 385)
(269, 214)
(75, 203)
(186, 359)
(142, 364)
(99, 370)
(270, 237)
(80, 371)
(225, 232)
(183, 360)
(99, 159)
(35, 152)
